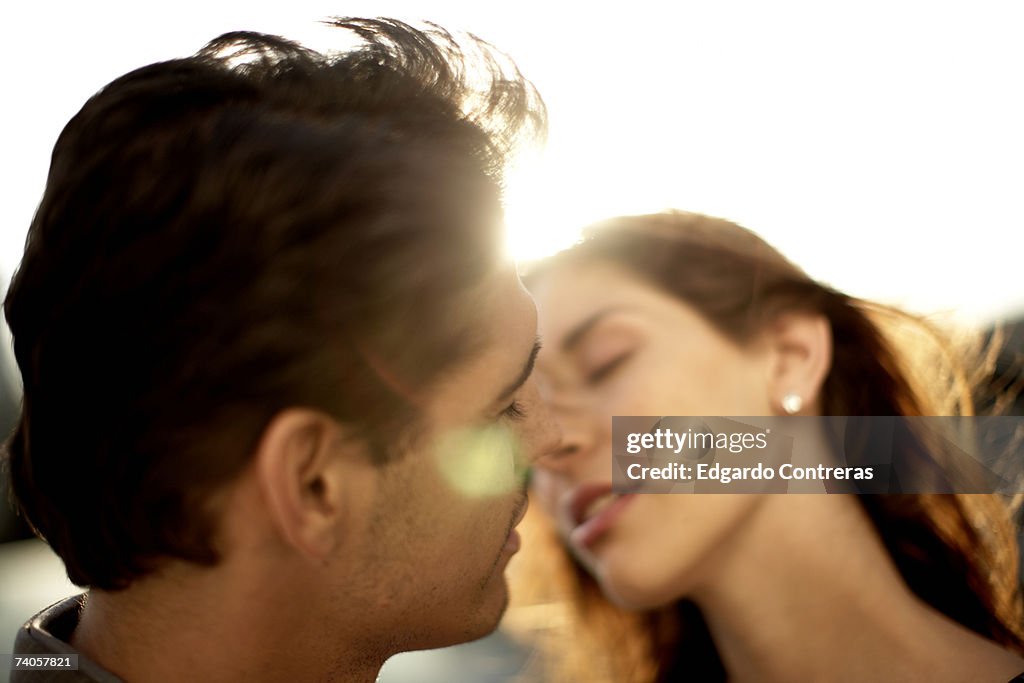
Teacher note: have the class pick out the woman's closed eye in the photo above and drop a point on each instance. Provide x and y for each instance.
(604, 370)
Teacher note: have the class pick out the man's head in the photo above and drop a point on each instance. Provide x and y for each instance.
(262, 292)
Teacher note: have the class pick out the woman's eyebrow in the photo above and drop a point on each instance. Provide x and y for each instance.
(577, 333)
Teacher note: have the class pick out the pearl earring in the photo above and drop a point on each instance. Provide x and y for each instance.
(792, 403)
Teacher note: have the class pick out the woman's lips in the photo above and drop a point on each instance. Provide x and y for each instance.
(591, 510)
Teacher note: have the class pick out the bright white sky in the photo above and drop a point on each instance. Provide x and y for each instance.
(879, 144)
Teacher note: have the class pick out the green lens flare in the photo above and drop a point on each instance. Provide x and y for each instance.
(481, 461)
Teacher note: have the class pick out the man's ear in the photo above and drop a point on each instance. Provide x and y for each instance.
(301, 465)
(801, 345)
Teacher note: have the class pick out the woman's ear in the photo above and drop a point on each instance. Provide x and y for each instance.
(301, 463)
(801, 348)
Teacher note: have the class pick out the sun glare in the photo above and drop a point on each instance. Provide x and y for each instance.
(876, 144)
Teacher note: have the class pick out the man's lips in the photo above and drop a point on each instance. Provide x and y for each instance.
(513, 540)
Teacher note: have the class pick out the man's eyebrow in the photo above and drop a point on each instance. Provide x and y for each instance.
(523, 375)
(577, 333)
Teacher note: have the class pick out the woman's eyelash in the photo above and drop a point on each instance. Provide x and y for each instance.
(514, 411)
(607, 369)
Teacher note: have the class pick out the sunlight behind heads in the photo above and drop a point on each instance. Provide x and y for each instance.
(877, 144)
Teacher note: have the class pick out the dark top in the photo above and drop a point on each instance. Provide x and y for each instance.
(49, 633)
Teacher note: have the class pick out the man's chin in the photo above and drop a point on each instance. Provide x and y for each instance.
(474, 623)
(494, 606)
(487, 619)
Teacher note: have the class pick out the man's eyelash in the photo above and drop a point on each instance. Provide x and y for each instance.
(514, 411)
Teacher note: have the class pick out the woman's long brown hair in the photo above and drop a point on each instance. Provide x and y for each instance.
(956, 552)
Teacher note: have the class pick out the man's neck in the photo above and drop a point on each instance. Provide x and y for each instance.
(212, 628)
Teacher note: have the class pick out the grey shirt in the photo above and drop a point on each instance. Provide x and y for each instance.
(49, 633)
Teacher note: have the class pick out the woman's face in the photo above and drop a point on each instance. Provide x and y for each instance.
(615, 345)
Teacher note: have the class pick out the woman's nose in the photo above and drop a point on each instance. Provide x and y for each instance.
(544, 435)
(577, 445)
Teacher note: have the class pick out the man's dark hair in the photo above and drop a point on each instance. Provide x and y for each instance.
(224, 236)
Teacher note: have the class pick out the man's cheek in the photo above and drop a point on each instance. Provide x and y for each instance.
(479, 462)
